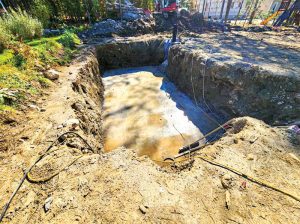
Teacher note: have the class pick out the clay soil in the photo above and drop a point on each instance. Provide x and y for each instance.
(122, 187)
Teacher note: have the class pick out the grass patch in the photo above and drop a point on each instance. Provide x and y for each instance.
(6, 57)
(4, 108)
(21, 66)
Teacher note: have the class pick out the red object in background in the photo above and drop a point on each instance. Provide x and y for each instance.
(170, 8)
(147, 11)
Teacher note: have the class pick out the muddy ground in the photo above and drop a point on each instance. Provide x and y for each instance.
(145, 112)
(122, 187)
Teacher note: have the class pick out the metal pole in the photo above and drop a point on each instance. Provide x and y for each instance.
(175, 28)
(3, 6)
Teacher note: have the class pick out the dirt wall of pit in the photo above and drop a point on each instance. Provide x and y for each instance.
(90, 90)
(235, 88)
(133, 52)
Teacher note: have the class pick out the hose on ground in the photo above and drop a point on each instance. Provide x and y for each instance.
(248, 177)
(206, 159)
(31, 179)
(233, 170)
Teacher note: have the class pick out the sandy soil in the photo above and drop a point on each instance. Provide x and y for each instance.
(275, 51)
(122, 187)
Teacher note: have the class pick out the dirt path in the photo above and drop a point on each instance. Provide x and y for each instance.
(145, 112)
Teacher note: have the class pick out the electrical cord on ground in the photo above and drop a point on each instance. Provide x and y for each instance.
(31, 179)
(233, 170)
(45, 179)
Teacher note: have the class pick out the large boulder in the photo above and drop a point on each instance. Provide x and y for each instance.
(105, 28)
(131, 16)
(122, 28)
(51, 74)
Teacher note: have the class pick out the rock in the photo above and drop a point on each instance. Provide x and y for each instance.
(73, 123)
(227, 199)
(51, 32)
(60, 126)
(130, 16)
(226, 181)
(294, 129)
(184, 12)
(48, 203)
(250, 156)
(105, 28)
(78, 107)
(39, 67)
(34, 107)
(143, 208)
(51, 74)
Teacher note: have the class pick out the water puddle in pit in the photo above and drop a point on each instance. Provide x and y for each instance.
(145, 112)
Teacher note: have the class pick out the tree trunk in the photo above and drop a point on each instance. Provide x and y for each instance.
(254, 11)
(238, 14)
(203, 7)
(227, 10)
(222, 9)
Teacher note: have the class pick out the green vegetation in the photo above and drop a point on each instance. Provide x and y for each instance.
(24, 55)
(21, 25)
(22, 63)
(55, 13)
(42, 11)
(69, 40)
(4, 38)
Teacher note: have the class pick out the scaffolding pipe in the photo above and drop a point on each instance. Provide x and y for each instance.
(3, 6)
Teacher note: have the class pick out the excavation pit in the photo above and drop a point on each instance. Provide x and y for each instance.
(144, 111)
(198, 72)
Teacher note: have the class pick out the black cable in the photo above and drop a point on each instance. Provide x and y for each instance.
(29, 169)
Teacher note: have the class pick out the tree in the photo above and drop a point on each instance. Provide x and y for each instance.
(254, 11)
(222, 9)
(227, 10)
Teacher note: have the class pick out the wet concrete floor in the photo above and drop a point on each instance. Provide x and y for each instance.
(144, 111)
